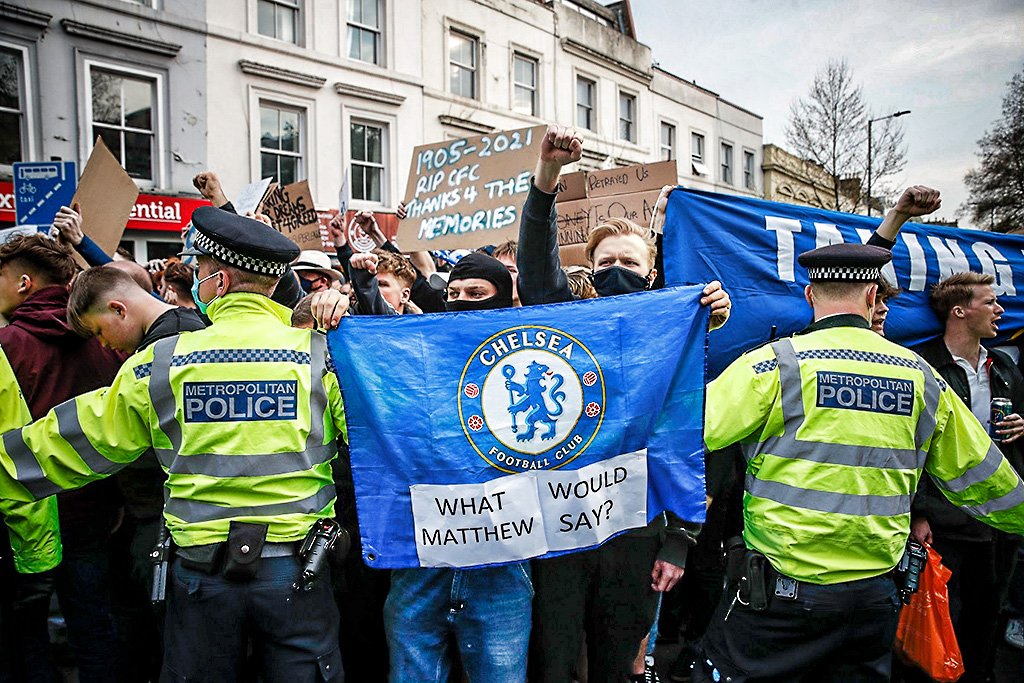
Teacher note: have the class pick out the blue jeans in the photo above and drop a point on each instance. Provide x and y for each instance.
(485, 611)
(210, 620)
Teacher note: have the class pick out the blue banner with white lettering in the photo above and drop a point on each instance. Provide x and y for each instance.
(751, 245)
(497, 436)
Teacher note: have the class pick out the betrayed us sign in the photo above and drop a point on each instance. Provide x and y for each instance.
(497, 436)
(752, 245)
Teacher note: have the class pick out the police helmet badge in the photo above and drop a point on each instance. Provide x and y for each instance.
(531, 397)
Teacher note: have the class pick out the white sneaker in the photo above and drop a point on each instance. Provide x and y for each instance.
(1015, 633)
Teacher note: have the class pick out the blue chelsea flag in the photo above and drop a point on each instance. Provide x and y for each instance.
(496, 436)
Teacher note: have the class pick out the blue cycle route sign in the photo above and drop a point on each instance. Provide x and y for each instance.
(41, 188)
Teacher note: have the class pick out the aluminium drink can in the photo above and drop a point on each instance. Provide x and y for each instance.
(1001, 407)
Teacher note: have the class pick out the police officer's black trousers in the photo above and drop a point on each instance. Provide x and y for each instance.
(210, 620)
(842, 632)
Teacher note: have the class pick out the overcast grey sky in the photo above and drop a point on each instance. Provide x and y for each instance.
(947, 61)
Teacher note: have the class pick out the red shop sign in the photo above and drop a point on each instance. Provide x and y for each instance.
(151, 211)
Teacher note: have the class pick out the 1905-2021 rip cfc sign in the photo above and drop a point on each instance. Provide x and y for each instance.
(531, 397)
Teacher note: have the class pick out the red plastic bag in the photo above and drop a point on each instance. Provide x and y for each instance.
(925, 636)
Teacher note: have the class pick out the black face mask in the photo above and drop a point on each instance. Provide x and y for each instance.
(306, 285)
(618, 280)
(488, 304)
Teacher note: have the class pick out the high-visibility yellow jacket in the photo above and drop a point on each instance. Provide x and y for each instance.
(837, 426)
(33, 528)
(243, 417)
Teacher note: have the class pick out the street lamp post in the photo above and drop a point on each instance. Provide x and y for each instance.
(870, 121)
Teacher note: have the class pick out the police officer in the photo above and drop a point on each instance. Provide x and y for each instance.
(837, 425)
(243, 416)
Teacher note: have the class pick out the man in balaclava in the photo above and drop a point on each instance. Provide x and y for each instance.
(484, 612)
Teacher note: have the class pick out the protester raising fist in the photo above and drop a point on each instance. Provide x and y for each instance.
(918, 201)
(560, 146)
(915, 201)
(209, 186)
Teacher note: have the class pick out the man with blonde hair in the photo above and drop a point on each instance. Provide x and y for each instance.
(612, 591)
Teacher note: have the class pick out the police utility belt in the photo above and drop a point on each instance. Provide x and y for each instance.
(756, 582)
(238, 558)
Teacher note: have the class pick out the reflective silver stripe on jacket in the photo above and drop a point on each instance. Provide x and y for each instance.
(1007, 501)
(787, 445)
(243, 465)
(192, 511)
(979, 473)
(70, 429)
(30, 474)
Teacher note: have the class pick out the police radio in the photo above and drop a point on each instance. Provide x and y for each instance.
(908, 571)
(326, 539)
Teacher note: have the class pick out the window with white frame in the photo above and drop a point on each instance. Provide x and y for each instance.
(462, 64)
(282, 144)
(726, 163)
(668, 141)
(368, 142)
(524, 77)
(749, 181)
(278, 19)
(13, 119)
(365, 25)
(697, 154)
(627, 117)
(123, 111)
(586, 95)
(697, 147)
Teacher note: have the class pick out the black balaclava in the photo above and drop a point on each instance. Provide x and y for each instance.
(479, 265)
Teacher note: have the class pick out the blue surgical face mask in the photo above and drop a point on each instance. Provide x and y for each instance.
(195, 291)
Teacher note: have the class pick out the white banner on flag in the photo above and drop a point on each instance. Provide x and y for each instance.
(524, 515)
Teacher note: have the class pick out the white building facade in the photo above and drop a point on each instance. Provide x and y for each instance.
(334, 89)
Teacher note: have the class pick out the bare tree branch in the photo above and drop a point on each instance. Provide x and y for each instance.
(829, 128)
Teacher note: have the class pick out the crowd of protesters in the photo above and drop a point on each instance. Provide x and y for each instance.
(593, 615)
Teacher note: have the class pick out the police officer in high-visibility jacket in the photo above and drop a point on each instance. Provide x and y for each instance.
(243, 416)
(837, 426)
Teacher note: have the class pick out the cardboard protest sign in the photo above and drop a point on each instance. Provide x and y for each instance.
(630, 192)
(105, 196)
(469, 192)
(649, 177)
(290, 209)
(571, 186)
(249, 197)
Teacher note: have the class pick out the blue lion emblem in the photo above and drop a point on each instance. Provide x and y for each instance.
(532, 400)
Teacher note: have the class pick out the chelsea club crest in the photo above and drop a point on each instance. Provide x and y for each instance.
(531, 397)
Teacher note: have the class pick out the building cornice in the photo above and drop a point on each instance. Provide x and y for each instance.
(25, 15)
(465, 124)
(580, 50)
(279, 74)
(365, 93)
(132, 40)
